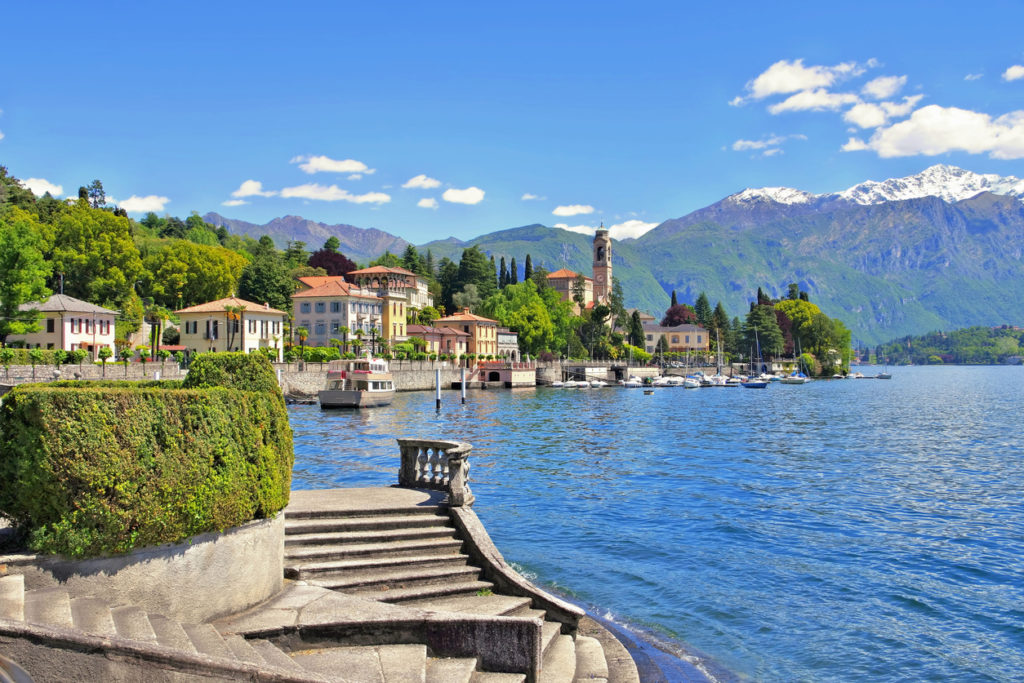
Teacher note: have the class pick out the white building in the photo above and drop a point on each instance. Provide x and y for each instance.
(68, 323)
(213, 327)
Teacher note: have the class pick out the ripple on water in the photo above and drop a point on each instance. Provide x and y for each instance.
(843, 530)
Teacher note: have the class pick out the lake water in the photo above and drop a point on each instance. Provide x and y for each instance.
(839, 530)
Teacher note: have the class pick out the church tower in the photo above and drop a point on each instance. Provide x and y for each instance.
(602, 266)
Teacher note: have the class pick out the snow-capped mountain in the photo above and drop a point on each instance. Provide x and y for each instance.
(948, 183)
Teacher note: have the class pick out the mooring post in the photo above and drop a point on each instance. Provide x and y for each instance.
(437, 388)
(462, 384)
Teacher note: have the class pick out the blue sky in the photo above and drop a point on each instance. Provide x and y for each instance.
(430, 120)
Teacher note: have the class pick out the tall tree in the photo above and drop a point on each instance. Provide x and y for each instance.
(702, 307)
(295, 254)
(636, 330)
(97, 197)
(502, 274)
(579, 289)
(333, 262)
(475, 268)
(448, 279)
(513, 275)
(761, 329)
(332, 243)
(528, 272)
(680, 314)
(428, 265)
(23, 271)
(616, 302)
(266, 280)
(675, 302)
(179, 273)
(411, 260)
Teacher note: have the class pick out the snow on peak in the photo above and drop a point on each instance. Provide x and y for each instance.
(948, 183)
(780, 195)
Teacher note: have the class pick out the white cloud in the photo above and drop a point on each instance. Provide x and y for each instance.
(318, 164)
(1014, 73)
(356, 176)
(333, 193)
(854, 145)
(573, 210)
(972, 77)
(1, 135)
(427, 203)
(936, 130)
(884, 87)
(136, 204)
(528, 197)
(873, 115)
(772, 152)
(41, 186)
(234, 202)
(582, 229)
(784, 77)
(422, 182)
(766, 144)
(470, 195)
(814, 100)
(630, 229)
(252, 188)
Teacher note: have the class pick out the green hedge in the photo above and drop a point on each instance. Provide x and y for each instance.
(91, 468)
(252, 372)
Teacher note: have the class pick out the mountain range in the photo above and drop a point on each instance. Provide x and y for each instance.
(933, 251)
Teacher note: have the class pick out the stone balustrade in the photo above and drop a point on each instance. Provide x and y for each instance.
(437, 466)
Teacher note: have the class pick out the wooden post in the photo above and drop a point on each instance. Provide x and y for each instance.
(437, 388)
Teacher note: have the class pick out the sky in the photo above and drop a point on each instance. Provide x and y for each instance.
(430, 120)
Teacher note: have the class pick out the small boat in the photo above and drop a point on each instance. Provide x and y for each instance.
(648, 391)
(884, 375)
(795, 378)
(598, 384)
(754, 384)
(360, 383)
(691, 383)
(557, 384)
(633, 383)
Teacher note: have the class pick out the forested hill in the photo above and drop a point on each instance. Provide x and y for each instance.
(975, 345)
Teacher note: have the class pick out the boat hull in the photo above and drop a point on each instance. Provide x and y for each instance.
(345, 398)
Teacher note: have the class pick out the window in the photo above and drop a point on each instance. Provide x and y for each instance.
(277, 327)
(335, 307)
(321, 307)
(304, 307)
(698, 339)
(88, 327)
(50, 325)
(105, 327)
(335, 327)
(321, 329)
(650, 337)
(687, 339)
(252, 327)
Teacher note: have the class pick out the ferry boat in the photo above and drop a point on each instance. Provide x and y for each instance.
(360, 383)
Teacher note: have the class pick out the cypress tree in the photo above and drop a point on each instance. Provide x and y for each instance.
(513, 275)
(502, 274)
(528, 273)
(674, 302)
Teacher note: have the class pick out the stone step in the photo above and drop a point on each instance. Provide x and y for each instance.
(549, 633)
(492, 605)
(559, 661)
(421, 592)
(169, 633)
(382, 563)
(242, 650)
(12, 597)
(368, 663)
(93, 616)
(451, 670)
(362, 537)
(323, 553)
(376, 579)
(365, 513)
(590, 661)
(49, 606)
(489, 677)
(133, 623)
(299, 527)
(273, 656)
(207, 640)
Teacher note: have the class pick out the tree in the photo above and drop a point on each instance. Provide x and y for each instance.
(702, 309)
(720, 319)
(448, 279)
(14, 193)
(616, 302)
(428, 265)
(411, 260)
(674, 301)
(594, 331)
(528, 272)
(579, 289)
(475, 268)
(521, 308)
(6, 358)
(103, 354)
(513, 274)
(97, 197)
(303, 334)
(333, 262)
(793, 291)
(23, 272)
(332, 244)
(179, 273)
(295, 253)
(469, 297)
(636, 330)
(680, 314)
(265, 279)
(761, 329)
(502, 274)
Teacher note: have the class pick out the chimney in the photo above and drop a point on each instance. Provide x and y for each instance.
(266, 305)
(465, 309)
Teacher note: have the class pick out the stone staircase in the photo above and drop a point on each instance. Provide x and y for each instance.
(412, 555)
(200, 649)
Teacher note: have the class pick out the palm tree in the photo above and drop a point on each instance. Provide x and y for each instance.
(344, 338)
(234, 317)
(302, 333)
(359, 337)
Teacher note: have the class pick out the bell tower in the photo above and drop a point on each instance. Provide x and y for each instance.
(602, 266)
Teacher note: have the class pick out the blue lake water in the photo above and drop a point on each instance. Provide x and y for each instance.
(839, 530)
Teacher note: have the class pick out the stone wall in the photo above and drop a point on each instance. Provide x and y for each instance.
(22, 374)
(304, 382)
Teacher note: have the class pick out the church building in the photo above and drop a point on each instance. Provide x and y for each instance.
(596, 289)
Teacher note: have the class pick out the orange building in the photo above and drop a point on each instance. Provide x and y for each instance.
(483, 332)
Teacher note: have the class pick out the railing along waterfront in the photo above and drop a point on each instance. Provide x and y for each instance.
(438, 466)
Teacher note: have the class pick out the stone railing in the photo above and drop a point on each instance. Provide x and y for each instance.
(438, 466)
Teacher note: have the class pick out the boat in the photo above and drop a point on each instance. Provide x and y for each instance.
(691, 383)
(633, 383)
(557, 384)
(359, 383)
(760, 381)
(796, 377)
(884, 375)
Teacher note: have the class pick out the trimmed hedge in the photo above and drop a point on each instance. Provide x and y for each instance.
(251, 372)
(91, 468)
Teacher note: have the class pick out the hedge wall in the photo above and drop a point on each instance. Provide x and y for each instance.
(91, 468)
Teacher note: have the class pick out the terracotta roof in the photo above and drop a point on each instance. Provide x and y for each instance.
(565, 274)
(418, 330)
(382, 270)
(317, 280)
(218, 306)
(64, 303)
(465, 316)
(336, 287)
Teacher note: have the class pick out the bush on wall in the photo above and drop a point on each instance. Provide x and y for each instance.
(94, 468)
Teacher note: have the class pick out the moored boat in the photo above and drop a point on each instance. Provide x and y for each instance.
(360, 383)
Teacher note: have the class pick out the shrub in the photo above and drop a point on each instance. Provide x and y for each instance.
(95, 468)
(251, 372)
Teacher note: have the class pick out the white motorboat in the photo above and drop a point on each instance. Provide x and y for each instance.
(359, 383)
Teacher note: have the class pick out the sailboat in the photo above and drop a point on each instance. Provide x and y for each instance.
(755, 382)
(797, 376)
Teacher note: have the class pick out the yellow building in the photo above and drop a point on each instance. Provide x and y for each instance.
(232, 324)
(483, 332)
(394, 286)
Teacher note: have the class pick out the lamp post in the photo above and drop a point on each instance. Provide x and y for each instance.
(373, 340)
